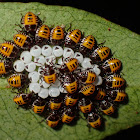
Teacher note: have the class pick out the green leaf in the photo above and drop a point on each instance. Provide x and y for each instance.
(24, 124)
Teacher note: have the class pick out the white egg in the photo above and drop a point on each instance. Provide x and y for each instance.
(62, 89)
(19, 66)
(60, 61)
(43, 83)
(26, 57)
(86, 63)
(57, 51)
(47, 50)
(35, 51)
(95, 65)
(98, 81)
(79, 57)
(54, 91)
(40, 60)
(68, 52)
(34, 87)
(30, 67)
(96, 69)
(40, 70)
(44, 93)
(33, 76)
(57, 83)
(50, 60)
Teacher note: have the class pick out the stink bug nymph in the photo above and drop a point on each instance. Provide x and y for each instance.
(18, 80)
(53, 119)
(69, 65)
(85, 105)
(117, 95)
(73, 38)
(55, 103)
(70, 83)
(114, 82)
(100, 54)
(23, 99)
(23, 40)
(87, 76)
(49, 74)
(68, 114)
(5, 67)
(71, 99)
(107, 107)
(42, 35)
(9, 50)
(57, 35)
(100, 94)
(87, 44)
(38, 105)
(31, 22)
(112, 65)
(94, 120)
(88, 89)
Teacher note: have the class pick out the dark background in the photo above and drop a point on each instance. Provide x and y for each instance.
(124, 13)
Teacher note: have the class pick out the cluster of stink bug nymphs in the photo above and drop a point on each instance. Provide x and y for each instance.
(60, 73)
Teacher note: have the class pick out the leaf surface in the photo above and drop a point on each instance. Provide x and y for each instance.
(24, 124)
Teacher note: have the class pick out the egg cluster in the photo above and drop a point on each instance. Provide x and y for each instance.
(64, 73)
(48, 55)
